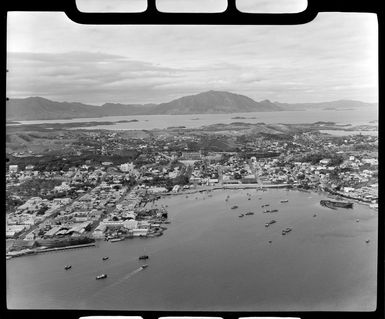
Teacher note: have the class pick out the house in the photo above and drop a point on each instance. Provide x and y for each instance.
(324, 161)
(30, 236)
(176, 189)
(13, 168)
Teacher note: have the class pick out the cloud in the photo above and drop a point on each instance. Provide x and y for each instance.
(333, 57)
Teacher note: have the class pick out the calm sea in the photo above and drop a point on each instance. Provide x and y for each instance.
(148, 122)
(210, 259)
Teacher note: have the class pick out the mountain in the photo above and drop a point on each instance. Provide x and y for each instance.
(37, 108)
(211, 102)
(214, 102)
(333, 105)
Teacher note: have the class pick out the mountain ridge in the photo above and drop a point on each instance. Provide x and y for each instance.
(209, 102)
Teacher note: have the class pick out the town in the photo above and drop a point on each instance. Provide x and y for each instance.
(104, 185)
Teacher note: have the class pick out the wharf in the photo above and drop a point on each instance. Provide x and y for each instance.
(39, 251)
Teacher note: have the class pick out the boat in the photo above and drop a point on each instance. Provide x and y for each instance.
(288, 229)
(241, 215)
(102, 276)
(67, 267)
(115, 240)
(274, 211)
(234, 207)
(249, 213)
(105, 258)
(143, 257)
(367, 241)
(333, 204)
(315, 215)
(283, 232)
(270, 241)
(144, 266)
(270, 223)
(284, 201)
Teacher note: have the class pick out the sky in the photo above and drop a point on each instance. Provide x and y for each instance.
(331, 58)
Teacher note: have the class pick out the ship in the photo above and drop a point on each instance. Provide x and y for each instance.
(102, 276)
(234, 207)
(333, 204)
(284, 201)
(105, 258)
(67, 267)
(270, 223)
(143, 257)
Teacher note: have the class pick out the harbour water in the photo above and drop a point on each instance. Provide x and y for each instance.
(148, 122)
(211, 259)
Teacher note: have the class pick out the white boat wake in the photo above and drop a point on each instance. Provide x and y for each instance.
(118, 282)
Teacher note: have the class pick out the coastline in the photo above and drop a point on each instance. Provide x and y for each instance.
(262, 187)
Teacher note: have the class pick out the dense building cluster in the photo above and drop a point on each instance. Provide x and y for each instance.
(110, 198)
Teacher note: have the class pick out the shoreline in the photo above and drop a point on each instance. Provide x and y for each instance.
(39, 251)
(262, 187)
(195, 191)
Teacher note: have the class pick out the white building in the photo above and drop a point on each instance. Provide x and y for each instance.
(127, 167)
(130, 224)
(13, 168)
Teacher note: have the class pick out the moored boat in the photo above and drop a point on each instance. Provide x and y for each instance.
(105, 258)
(116, 239)
(234, 207)
(333, 204)
(143, 257)
(144, 266)
(102, 276)
(67, 267)
(284, 201)
(249, 213)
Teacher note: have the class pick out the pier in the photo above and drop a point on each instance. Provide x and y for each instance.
(38, 251)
